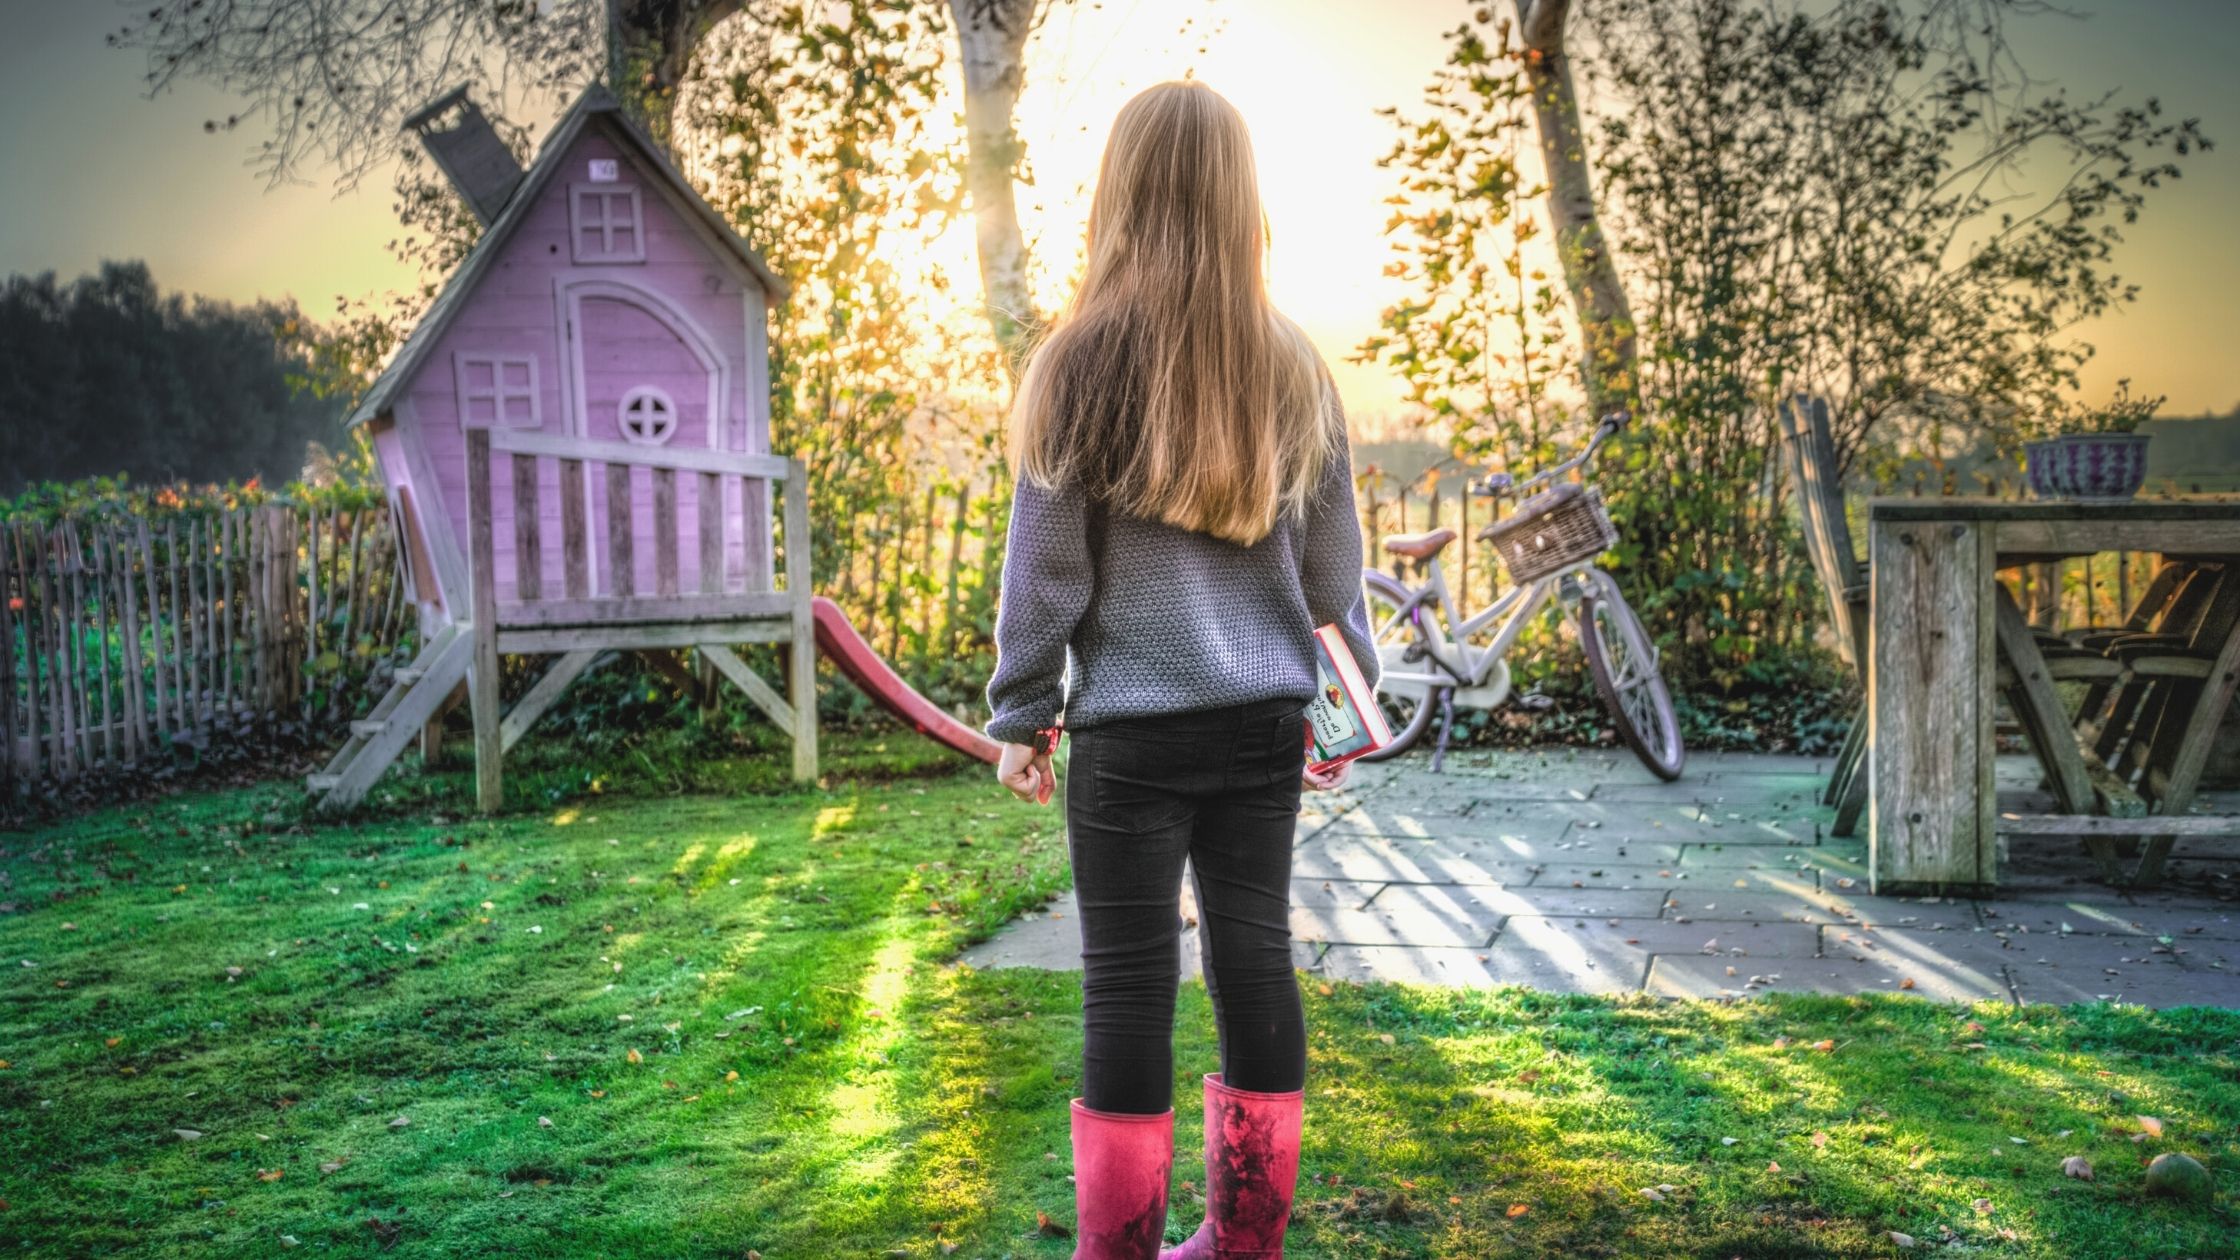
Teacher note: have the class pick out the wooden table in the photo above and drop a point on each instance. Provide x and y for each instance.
(1933, 659)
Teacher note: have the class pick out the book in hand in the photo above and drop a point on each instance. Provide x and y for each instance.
(1343, 720)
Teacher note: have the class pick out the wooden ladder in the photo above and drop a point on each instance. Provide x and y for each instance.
(413, 698)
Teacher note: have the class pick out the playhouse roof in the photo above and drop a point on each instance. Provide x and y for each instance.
(596, 108)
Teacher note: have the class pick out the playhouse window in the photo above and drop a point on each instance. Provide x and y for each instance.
(647, 416)
(606, 224)
(497, 390)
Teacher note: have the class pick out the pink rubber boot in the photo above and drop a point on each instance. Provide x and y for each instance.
(1121, 1165)
(1252, 1167)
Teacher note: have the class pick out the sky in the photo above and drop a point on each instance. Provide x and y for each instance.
(94, 168)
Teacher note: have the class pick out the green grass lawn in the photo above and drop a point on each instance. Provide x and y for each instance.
(715, 1025)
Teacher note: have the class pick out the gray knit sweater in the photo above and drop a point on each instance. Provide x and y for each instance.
(1155, 619)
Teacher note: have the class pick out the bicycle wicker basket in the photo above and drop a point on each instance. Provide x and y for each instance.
(1561, 528)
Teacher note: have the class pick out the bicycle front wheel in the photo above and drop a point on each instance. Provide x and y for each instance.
(1407, 704)
(1624, 664)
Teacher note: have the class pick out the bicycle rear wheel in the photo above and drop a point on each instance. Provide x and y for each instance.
(1624, 664)
(1407, 705)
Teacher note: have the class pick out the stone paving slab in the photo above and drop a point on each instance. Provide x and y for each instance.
(1463, 969)
(1729, 856)
(1762, 902)
(1383, 860)
(2110, 914)
(1341, 894)
(1450, 919)
(1678, 820)
(1610, 875)
(1700, 977)
(1577, 871)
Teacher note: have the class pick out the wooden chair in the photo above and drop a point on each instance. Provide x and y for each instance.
(1809, 448)
(2188, 688)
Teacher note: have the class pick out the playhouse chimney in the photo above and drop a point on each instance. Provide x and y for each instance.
(464, 144)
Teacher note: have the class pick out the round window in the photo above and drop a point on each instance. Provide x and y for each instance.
(647, 416)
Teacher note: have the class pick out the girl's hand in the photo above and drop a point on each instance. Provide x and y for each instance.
(1027, 773)
(1329, 781)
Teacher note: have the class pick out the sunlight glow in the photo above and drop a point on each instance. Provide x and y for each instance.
(833, 818)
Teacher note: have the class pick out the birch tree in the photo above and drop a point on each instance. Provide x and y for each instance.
(992, 34)
(1590, 271)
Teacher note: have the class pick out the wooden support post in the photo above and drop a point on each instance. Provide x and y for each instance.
(543, 695)
(431, 731)
(801, 652)
(1931, 814)
(482, 677)
(776, 708)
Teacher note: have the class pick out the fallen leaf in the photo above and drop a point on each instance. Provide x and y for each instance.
(634, 1057)
(544, 1122)
(401, 1122)
(1819, 1139)
(270, 1174)
(332, 1166)
(1902, 1240)
(188, 1135)
(731, 1076)
(2077, 1166)
(1824, 1046)
(1650, 1193)
(2150, 1126)
(1048, 1228)
(1982, 1207)
(1518, 1209)
(1906, 983)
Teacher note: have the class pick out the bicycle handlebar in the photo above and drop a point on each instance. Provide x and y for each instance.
(1505, 483)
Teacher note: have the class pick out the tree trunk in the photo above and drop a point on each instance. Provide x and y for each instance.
(650, 46)
(992, 34)
(1589, 269)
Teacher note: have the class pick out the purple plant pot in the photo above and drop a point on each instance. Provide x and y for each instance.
(2087, 467)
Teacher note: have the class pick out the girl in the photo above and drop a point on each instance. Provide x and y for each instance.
(1183, 521)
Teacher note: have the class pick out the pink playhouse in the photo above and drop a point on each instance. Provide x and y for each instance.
(576, 443)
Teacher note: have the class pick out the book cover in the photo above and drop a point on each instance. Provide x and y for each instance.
(1343, 720)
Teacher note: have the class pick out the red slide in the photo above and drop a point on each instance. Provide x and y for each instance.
(851, 655)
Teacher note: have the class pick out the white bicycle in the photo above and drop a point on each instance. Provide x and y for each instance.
(1549, 545)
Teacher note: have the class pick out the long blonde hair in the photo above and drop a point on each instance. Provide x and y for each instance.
(1171, 388)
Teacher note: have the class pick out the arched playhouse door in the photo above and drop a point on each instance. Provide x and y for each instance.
(642, 373)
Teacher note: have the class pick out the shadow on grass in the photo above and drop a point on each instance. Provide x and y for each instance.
(1518, 1124)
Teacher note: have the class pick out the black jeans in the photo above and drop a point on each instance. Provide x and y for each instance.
(1221, 788)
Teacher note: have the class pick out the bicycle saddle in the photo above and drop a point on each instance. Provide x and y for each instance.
(1419, 546)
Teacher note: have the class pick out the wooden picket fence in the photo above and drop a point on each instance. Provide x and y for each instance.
(921, 583)
(123, 636)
